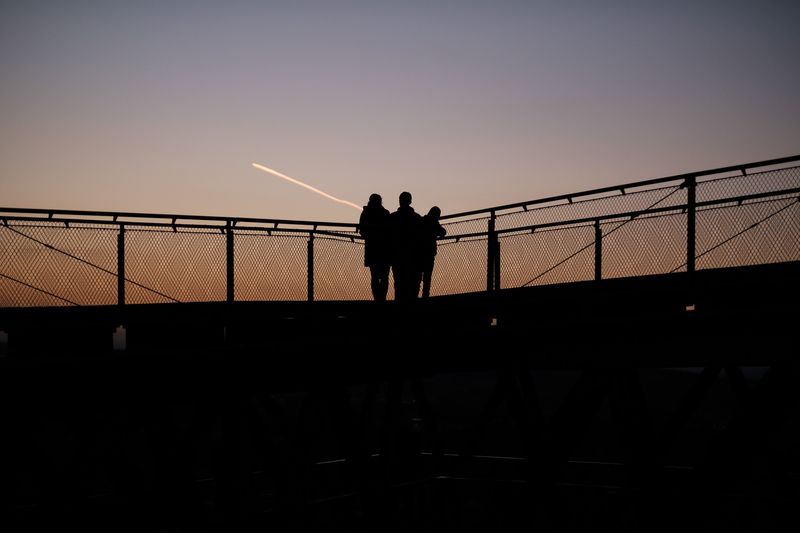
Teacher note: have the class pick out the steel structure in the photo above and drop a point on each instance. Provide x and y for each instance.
(730, 216)
(636, 372)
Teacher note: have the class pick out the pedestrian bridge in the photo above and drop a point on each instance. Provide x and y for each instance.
(620, 356)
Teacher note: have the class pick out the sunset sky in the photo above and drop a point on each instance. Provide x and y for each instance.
(163, 106)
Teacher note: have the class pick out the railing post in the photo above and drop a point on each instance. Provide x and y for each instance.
(490, 253)
(496, 262)
(598, 250)
(311, 267)
(121, 265)
(691, 221)
(229, 262)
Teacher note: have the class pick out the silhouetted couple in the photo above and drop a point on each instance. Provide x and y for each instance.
(403, 241)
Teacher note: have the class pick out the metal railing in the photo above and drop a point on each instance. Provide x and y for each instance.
(731, 216)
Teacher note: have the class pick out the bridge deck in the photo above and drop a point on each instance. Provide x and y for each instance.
(742, 315)
(374, 416)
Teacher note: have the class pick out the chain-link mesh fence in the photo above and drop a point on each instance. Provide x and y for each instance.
(339, 271)
(643, 229)
(726, 219)
(460, 266)
(186, 265)
(270, 265)
(48, 263)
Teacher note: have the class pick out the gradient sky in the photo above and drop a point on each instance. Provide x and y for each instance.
(162, 106)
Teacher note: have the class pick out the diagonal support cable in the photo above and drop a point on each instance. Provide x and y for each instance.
(674, 190)
(739, 234)
(39, 289)
(98, 267)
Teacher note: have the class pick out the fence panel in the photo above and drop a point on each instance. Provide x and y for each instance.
(547, 256)
(742, 215)
(185, 265)
(270, 265)
(50, 264)
(460, 267)
(339, 271)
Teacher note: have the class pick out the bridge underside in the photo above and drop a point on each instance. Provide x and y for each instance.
(367, 415)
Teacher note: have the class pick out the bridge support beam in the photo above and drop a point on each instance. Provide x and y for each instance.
(598, 250)
(691, 222)
(229, 263)
(121, 266)
(310, 268)
(491, 255)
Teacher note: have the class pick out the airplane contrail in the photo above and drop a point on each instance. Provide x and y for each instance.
(307, 186)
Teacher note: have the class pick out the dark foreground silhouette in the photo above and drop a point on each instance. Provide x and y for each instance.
(340, 417)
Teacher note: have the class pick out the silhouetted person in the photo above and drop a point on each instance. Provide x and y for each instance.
(430, 231)
(405, 226)
(374, 227)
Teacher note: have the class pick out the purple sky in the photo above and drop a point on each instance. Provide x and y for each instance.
(162, 106)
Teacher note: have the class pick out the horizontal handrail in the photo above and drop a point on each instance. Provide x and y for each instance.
(356, 237)
(628, 214)
(168, 226)
(173, 218)
(632, 185)
(116, 216)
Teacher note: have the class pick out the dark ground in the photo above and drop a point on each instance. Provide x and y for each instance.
(116, 457)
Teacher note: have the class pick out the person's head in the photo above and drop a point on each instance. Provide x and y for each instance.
(375, 199)
(405, 199)
(435, 212)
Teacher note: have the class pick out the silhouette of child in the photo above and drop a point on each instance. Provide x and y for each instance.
(430, 231)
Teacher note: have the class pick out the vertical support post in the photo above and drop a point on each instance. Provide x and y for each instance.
(490, 253)
(311, 267)
(121, 265)
(496, 262)
(691, 222)
(598, 250)
(229, 261)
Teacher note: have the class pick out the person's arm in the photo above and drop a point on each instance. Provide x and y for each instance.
(360, 227)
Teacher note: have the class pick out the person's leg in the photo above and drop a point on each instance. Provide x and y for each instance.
(383, 287)
(399, 283)
(406, 283)
(374, 282)
(426, 278)
(414, 283)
